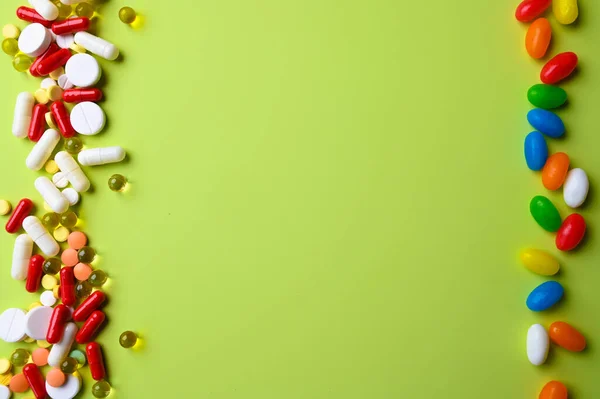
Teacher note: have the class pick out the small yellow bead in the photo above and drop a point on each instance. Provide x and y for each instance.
(5, 378)
(77, 48)
(5, 366)
(51, 166)
(42, 343)
(55, 93)
(49, 282)
(41, 96)
(57, 73)
(61, 234)
(52, 125)
(5, 207)
(47, 207)
(34, 305)
(10, 31)
(29, 340)
(55, 292)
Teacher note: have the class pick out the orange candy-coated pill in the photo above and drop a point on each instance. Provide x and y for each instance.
(77, 240)
(69, 257)
(565, 335)
(554, 390)
(40, 356)
(538, 38)
(555, 171)
(56, 378)
(18, 383)
(82, 271)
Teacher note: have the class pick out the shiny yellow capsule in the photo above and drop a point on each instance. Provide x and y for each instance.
(540, 262)
(49, 282)
(565, 11)
(41, 96)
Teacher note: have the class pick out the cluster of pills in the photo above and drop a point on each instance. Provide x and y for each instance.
(54, 47)
(555, 173)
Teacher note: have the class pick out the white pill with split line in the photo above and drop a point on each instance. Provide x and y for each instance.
(72, 171)
(42, 150)
(40, 236)
(51, 194)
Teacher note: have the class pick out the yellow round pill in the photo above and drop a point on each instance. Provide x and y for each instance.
(77, 48)
(41, 96)
(42, 343)
(5, 207)
(10, 31)
(54, 92)
(34, 305)
(5, 366)
(55, 292)
(49, 282)
(50, 122)
(29, 340)
(5, 378)
(57, 73)
(51, 166)
(61, 234)
(47, 207)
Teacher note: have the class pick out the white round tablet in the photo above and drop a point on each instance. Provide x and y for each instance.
(5, 393)
(34, 40)
(65, 41)
(47, 298)
(64, 82)
(68, 390)
(87, 118)
(47, 83)
(71, 195)
(37, 321)
(83, 70)
(60, 180)
(12, 325)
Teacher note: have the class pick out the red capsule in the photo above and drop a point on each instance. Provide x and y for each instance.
(54, 61)
(79, 95)
(34, 273)
(558, 68)
(71, 25)
(527, 10)
(60, 315)
(67, 286)
(61, 116)
(95, 360)
(90, 327)
(571, 232)
(53, 48)
(86, 308)
(22, 210)
(31, 15)
(36, 381)
(38, 121)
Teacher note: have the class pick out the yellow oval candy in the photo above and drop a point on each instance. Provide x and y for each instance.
(540, 262)
(565, 11)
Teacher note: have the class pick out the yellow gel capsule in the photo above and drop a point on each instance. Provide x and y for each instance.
(49, 282)
(5, 366)
(41, 96)
(50, 121)
(565, 11)
(51, 166)
(540, 262)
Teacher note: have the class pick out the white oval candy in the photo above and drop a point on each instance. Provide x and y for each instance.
(65, 41)
(60, 180)
(538, 344)
(576, 187)
(37, 321)
(5, 393)
(12, 325)
(71, 195)
(66, 391)
(34, 40)
(87, 118)
(21, 255)
(64, 82)
(83, 70)
(45, 8)
(47, 298)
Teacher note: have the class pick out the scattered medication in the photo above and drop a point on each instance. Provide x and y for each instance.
(546, 122)
(576, 187)
(60, 180)
(69, 365)
(56, 378)
(117, 182)
(101, 156)
(571, 232)
(12, 327)
(54, 93)
(45, 8)
(31, 15)
(71, 195)
(23, 209)
(536, 151)
(33, 69)
(65, 41)
(59, 351)
(36, 380)
(50, 220)
(82, 271)
(10, 46)
(19, 383)
(128, 339)
(42, 150)
(69, 257)
(49, 282)
(47, 82)
(57, 73)
(40, 356)
(97, 278)
(68, 390)
(566, 336)
(545, 296)
(546, 96)
(51, 266)
(86, 255)
(545, 213)
(5, 366)
(60, 316)
(61, 234)
(88, 306)
(68, 219)
(83, 289)
(96, 45)
(95, 360)
(19, 357)
(89, 329)
(83, 70)
(21, 254)
(40, 236)
(71, 25)
(74, 174)
(77, 240)
(79, 356)
(5, 207)
(54, 61)
(41, 96)
(565, 11)
(127, 15)
(87, 118)
(51, 167)
(22, 115)
(81, 95)
(21, 62)
(51, 194)
(34, 273)
(558, 68)
(527, 10)
(84, 9)
(34, 40)
(67, 286)
(538, 344)
(101, 389)
(64, 82)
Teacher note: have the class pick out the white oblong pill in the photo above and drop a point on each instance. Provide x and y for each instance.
(40, 236)
(538, 344)
(37, 321)
(47, 298)
(21, 254)
(12, 325)
(74, 174)
(576, 188)
(68, 390)
(42, 150)
(60, 180)
(83, 70)
(60, 350)
(65, 41)
(101, 156)
(34, 40)
(94, 44)
(5, 393)
(45, 8)
(64, 82)
(47, 82)
(87, 118)
(51, 195)
(22, 115)
(71, 195)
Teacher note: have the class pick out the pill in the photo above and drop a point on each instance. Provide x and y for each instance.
(539, 262)
(558, 68)
(546, 122)
(77, 240)
(21, 254)
(71, 25)
(90, 328)
(555, 171)
(82, 271)
(56, 291)
(47, 82)
(5, 207)
(127, 15)
(63, 120)
(61, 234)
(69, 257)
(537, 39)
(77, 48)
(55, 93)
(37, 321)
(84, 10)
(19, 383)
(545, 296)
(60, 316)
(40, 236)
(565, 11)
(128, 339)
(54, 61)
(68, 219)
(5, 366)
(31, 15)
(80, 95)
(86, 254)
(60, 180)
(96, 45)
(527, 10)
(67, 286)
(95, 360)
(45, 8)
(51, 194)
(60, 350)
(71, 195)
(47, 298)
(101, 156)
(567, 336)
(19, 357)
(71, 2)
(49, 281)
(83, 70)
(34, 40)
(42, 343)
(10, 31)
(36, 380)
(22, 114)
(51, 125)
(57, 73)
(34, 273)
(576, 187)
(41, 96)
(56, 378)
(23, 209)
(545, 213)
(42, 150)
(117, 182)
(40, 356)
(36, 126)
(5, 378)
(87, 118)
(88, 306)
(73, 172)
(33, 69)
(546, 96)
(12, 325)
(21, 62)
(538, 344)
(68, 390)
(10, 46)
(65, 41)
(571, 232)
(536, 150)
(554, 390)
(5, 393)
(64, 83)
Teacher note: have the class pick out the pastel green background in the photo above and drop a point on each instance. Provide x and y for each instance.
(327, 200)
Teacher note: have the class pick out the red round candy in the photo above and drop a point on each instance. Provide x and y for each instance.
(571, 232)
(527, 10)
(558, 68)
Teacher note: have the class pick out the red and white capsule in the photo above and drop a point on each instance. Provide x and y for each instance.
(31, 15)
(58, 321)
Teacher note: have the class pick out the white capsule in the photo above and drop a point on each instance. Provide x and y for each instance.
(60, 180)
(96, 45)
(21, 255)
(59, 351)
(71, 195)
(71, 169)
(101, 156)
(576, 188)
(22, 116)
(52, 196)
(42, 150)
(538, 344)
(45, 8)
(40, 236)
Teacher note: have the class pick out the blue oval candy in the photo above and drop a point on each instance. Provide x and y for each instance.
(546, 122)
(536, 150)
(544, 296)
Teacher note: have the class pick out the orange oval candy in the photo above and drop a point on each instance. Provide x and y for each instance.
(554, 390)
(538, 38)
(555, 171)
(565, 335)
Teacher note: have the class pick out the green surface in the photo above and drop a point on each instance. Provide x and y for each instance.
(327, 200)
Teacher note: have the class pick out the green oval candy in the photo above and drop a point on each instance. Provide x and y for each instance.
(545, 213)
(546, 96)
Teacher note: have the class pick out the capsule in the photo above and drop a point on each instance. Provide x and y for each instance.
(71, 25)
(536, 151)
(571, 232)
(21, 211)
(566, 336)
(54, 61)
(545, 213)
(555, 171)
(45, 8)
(565, 11)
(538, 344)
(546, 96)
(554, 390)
(73, 172)
(546, 122)
(34, 273)
(22, 114)
(558, 68)
(36, 381)
(67, 286)
(31, 15)
(58, 321)
(81, 95)
(59, 351)
(97, 45)
(101, 156)
(540, 262)
(52, 195)
(527, 10)
(33, 69)
(38, 121)
(544, 296)
(95, 360)
(576, 187)
(90, 327)
(86, 307)
(40, 236)
(537, 39)
(61, 116)
(21, 255)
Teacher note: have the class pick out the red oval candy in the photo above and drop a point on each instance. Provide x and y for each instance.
(558, 68)
(571, 232)
(527, 10)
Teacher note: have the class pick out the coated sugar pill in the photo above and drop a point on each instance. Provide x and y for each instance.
(554, 390)
(538, 344)
(49, 281)
(47, 298)
(79, 356)
(539, 262)
(546, 122)
(96, 45)
(21, 254)
(101, 156)
(87, 118)
(51, 125)
(73, 172)
(10, 31)
(42, 150)
(546, 96)
(5, 378)
(22, 114)
(558, 68)
(34, 40)
(565, 11)
(47, 82)
(83, 70)
(555, 171)
(538, 38)
(536, 150)
(571, 232)
(5, 207)
(40, 236)
(69, 257)
(576, 187)
(19, 383)
(527, 10)
(12, 325)
(545, 213)
(56, 378)
(565, 335)
(82, 271)
(545, 296)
